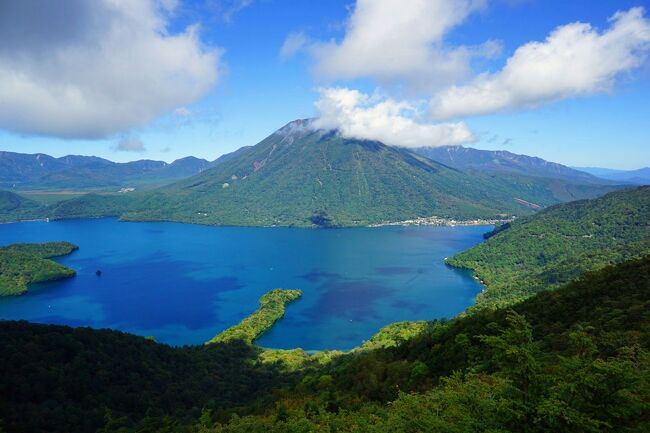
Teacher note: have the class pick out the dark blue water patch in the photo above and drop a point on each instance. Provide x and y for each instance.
(185, 283)
(315, 276)
(415, 307)
(139, 305)
(360, 299)
(399, 270)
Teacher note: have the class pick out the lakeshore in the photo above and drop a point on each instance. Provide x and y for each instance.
(184, 283)
(440, 221)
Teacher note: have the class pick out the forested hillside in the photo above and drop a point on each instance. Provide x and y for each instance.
(573, 359)
(557, 244)
(25, 264)
(14, 207)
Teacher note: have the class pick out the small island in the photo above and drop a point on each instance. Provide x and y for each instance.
(24, 264)
(271, 309)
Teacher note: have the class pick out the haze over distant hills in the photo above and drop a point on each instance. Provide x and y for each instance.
(467, 158)
(640, 176)
(43, 172)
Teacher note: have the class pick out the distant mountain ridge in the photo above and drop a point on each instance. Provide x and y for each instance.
(301, 176)
(40, 171)
(640, 176)
(502, 161)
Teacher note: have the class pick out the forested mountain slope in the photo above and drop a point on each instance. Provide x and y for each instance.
(559, 243)
(299, 176)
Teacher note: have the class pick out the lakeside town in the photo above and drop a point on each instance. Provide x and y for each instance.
(440, 221)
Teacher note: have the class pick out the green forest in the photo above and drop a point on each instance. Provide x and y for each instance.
(556, 245)
(14, 207)
(25, 264)
(573, 359)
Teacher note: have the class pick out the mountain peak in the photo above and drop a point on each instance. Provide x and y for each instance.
(295, 129)
(300, 175)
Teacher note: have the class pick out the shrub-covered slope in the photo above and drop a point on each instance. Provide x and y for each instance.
(558, 244)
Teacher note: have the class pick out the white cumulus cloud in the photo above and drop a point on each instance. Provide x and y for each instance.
(574, 60)
(394, 40)
(89, 69)
(357, 115)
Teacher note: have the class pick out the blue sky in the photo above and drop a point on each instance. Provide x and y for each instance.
(254, 90)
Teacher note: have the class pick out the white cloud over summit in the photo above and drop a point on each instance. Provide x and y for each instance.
(396, 42)
(90, 69)
(357, 115)
(574, 60)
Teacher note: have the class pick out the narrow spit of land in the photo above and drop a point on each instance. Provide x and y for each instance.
(272, 306)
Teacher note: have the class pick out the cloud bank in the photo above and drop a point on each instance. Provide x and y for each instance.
(401, 45)
(357, 115)
(399, 40)
(574, 60)
(89, 69)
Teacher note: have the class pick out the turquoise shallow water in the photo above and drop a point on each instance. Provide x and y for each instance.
(185, 283)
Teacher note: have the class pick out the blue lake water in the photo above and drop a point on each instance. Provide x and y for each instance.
(184, 283)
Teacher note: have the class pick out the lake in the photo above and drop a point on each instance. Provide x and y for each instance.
(185, 283)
